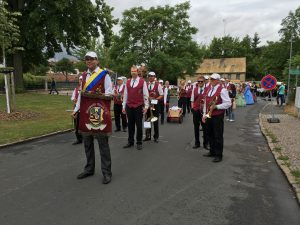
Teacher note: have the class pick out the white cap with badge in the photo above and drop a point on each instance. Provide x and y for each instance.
(206, 77)
(91, 54)
(160, 81)
(215, 76)
(151, 74)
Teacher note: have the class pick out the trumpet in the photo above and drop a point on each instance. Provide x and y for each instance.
(211, 109)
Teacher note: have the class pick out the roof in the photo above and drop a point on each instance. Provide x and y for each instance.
(223, 65)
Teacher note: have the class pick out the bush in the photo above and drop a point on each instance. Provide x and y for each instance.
(33, 82)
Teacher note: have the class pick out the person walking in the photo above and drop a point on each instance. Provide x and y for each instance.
(162, 104)
(53, 86)
(188, 89)
(95, 118)
(118, 100)
(135, 105)
(232, 95)
(166, 90)
(280, 94)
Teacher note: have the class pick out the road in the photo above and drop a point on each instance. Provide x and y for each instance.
(168, 183)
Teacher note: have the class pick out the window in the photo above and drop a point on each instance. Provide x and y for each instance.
(238, 76)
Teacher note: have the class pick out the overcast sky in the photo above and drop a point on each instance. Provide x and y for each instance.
(239, 17)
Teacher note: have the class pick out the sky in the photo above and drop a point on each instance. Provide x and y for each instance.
(236, 17)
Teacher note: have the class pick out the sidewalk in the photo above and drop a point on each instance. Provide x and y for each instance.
(284, 141)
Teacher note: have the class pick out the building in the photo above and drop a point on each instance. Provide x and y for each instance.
(232, 68)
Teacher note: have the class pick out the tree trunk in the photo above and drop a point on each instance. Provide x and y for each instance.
(18, 66)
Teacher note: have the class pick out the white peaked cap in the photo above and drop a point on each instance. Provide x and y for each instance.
(91, 54)
(160, 81)
(215, 76)
(151, 73)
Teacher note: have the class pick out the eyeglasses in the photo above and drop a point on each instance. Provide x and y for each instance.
(151, 75)
(200, 81)
(90, 59)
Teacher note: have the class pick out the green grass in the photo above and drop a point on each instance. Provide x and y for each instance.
(52, 116)
(284, 158)
(296, 173)
(277, 149)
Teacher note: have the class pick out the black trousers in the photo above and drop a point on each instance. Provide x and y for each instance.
(167, 106)
(135, 118)
(76, 127)
(182, 104)
(215, 129)
(53, 89)
(161, 106)
(197, 120)
(155, 124)
(188, 104)
(120, 116)
(88, 141)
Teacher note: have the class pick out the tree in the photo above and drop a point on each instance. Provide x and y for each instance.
(65, 66)
(46, 26)
(225, 47)
(9, 30)
(160, 37)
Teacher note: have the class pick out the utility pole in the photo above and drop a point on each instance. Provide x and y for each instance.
(290, 65)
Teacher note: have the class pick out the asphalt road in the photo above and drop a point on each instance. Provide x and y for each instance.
(167, 183)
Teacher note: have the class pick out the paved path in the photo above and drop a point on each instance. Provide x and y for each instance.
(165, 184)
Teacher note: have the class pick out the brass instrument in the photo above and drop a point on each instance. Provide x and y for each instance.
(152, 118)
(118, 96)
(211, 109)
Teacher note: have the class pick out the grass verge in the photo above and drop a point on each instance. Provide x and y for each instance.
(51, 116)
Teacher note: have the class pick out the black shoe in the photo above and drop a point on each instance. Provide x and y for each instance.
(217, 159)
(117, 130)
(84, 175)
(147, 139)
(76, 142)
(124, 130)
(209, 155)
(206, 146)
(106, 180)
(196, 146)
(139, 147)
(155, 140)
(128, 145)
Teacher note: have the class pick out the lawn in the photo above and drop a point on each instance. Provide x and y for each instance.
(49, 112)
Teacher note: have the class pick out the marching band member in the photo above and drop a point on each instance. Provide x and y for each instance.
(197, 101)
(74, 98)
(166, 95)
(182, 96)
(95, 118)
(216, 101)
(118, 100)
(188, 89)
(206, 82)
(155, 94)
(135, 104)
(161, 103)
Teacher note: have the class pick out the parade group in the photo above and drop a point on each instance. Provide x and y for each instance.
(141, 103)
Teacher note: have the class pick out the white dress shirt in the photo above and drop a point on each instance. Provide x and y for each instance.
(226, 101)
(159, 89)
(107, 87)
(134, 83)
(166, 92)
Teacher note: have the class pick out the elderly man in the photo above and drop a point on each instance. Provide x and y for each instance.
(216, 101)
(95, 119)
(155, 95)
(135, 104)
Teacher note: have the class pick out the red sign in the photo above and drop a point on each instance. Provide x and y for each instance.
(268, 82)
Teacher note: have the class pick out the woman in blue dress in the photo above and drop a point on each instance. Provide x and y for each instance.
(248, 95)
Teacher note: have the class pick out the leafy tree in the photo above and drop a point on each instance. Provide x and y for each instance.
(9, 30)
(65, 66)
(254, 44)
(46, 26)
(160, 37)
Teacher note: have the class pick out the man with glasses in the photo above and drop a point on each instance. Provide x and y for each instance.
(215, 102)
(95, 118)
(135, 105)
(197, 102)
